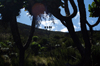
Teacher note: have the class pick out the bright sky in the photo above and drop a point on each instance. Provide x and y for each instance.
(27, 19)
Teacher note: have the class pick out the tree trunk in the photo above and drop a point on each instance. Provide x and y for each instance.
(74, 37)
(21, 57)
(69, 25)
(15, 32)
(83, 21)
(17, 39)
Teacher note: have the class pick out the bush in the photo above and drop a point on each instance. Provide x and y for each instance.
(35, 38)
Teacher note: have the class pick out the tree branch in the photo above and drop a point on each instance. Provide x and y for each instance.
(66, 8)
(98, 21)
(74, 9)
(31, 33)
(63, 23)
(15, 32)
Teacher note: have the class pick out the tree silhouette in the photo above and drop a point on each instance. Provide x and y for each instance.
(9, 10)
(67, 22)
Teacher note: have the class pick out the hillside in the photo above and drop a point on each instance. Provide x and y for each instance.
(24, 30)
(40, 32)
(5, 32)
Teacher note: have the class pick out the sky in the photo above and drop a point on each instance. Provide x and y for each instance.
(25, 18)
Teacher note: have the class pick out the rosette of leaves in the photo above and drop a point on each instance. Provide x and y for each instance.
(94, 9)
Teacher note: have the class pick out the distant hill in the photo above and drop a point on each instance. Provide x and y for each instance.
(24, 30)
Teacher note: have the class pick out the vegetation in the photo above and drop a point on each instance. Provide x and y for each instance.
(10, 9)
(51, 52)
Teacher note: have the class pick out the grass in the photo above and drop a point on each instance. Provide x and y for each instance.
(40, 60)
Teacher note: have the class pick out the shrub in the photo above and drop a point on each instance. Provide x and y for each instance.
(35, 38)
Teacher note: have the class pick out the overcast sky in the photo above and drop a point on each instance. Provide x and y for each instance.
(27, 19)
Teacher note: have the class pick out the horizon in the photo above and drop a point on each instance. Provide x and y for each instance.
(51, 30)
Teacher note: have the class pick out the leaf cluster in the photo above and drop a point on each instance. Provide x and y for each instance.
(94, 9)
